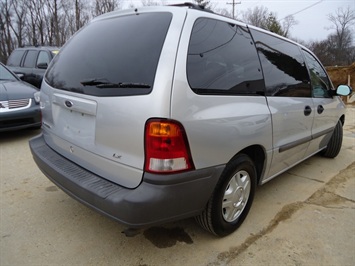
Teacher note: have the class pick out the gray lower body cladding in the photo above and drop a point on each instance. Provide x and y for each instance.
(158, 199)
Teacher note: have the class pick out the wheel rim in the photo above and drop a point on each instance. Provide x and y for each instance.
(236, 196)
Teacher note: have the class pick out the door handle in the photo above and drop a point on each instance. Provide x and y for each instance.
(307, 110)
(320, 109)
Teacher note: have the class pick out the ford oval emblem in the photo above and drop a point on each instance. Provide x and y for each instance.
(68, 103)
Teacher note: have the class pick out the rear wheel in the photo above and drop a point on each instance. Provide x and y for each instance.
(232, 198)
(335, 142)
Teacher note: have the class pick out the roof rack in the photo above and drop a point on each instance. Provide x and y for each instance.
(193, 6)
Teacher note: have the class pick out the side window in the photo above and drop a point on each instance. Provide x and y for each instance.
(319, 79)
(222, 59)
(285, 72)
(15, 58)
(43, 58)
(30, 58)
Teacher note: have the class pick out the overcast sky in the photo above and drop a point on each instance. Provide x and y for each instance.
(313, 23)
(310, 14)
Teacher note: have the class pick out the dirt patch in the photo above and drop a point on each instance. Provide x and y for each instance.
(339, 75)
(326, 196)
(285, 214)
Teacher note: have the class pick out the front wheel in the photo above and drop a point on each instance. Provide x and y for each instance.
(335, 142)
(231, 199)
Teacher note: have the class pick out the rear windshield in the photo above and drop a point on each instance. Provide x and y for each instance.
(112, 57)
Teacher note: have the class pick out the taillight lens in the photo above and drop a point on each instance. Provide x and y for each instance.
(166, 147)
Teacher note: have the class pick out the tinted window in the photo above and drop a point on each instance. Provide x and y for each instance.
(284, 69)
(117, 50)
(222, 59)
(15, 58)
(30, 59)
(319, 79)
(43, 58)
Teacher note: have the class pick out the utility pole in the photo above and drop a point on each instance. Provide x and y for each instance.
(234, 4)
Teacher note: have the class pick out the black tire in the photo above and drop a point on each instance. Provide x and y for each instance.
(335, 142)
(222, 217)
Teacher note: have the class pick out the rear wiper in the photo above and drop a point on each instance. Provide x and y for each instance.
(123, 85)
(94, 82)
(102, 83)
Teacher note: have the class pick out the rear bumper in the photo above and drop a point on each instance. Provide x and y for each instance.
(158, 199)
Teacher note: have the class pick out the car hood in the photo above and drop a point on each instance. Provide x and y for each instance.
(13, 90)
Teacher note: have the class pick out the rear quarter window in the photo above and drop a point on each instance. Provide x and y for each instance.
(124, 49)
(15, 58)
(222, 59)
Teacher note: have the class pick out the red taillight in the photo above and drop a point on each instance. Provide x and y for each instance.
(166, 147)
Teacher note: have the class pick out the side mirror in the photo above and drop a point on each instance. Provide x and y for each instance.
(20, 75)
(343, 90)
(42, 65)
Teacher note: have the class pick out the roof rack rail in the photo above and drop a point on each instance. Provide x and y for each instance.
(193, 6)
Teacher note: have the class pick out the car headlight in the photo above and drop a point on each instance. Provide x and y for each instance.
(37, 96)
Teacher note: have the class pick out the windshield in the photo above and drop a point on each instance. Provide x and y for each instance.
(6, 75)
(122, 50)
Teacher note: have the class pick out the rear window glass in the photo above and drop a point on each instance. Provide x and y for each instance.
(222, 59)
(123, 50)
(15, 58)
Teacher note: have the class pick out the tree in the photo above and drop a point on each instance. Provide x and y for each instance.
(287, 24)
(82, 14)
(204, 3)
(20, 12)
(337, 48)
(260, 17)
(322, 50)
(104, 6)
(151, 3)
(256, 16)
(7, 44)
(37, 19)
(54, 7)
(224, 12)
(273, 25)
(342, 20)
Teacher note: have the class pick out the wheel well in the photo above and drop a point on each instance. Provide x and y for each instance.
(257, 154)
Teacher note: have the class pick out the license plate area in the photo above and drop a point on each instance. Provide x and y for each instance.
(77, 123)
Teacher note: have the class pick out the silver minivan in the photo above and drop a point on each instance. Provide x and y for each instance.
(156, 114)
